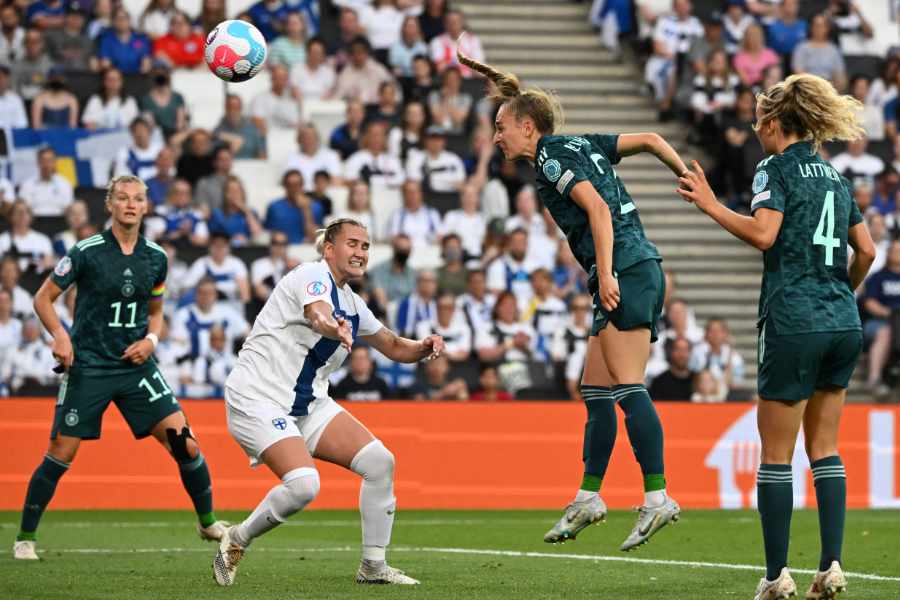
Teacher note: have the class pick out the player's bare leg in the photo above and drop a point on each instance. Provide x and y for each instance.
(347, 442)
(599, 438)
(626, 354)
(60, 454)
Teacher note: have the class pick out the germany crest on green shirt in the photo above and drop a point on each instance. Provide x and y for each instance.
(114, 291)
(561, 162)
(806, 287)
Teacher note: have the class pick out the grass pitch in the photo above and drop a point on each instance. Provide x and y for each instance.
(456, 554)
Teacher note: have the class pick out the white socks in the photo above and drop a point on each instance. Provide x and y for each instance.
(298, 488)
(377, 503)
(655, 498)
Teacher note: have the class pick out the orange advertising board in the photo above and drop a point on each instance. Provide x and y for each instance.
(456, 455)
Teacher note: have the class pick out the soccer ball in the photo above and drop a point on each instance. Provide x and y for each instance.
(235, 51)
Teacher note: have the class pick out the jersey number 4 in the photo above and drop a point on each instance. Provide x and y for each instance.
(628, 206)
(117, 309)
(824, 235)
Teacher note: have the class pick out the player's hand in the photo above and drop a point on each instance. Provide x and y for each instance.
(62, 350)
(344, 332)
(139, 352)
(695, 189)
(434, 345)
(609, 292)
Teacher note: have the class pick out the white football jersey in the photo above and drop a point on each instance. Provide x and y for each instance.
(283, 359)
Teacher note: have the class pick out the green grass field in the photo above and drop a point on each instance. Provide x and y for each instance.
(456, 554)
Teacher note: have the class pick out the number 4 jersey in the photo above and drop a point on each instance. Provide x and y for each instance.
(113, 297)
(806, 287)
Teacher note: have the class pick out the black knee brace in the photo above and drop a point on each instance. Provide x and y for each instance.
(178, 443)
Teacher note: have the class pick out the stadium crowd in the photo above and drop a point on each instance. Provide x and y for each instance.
(506, 293)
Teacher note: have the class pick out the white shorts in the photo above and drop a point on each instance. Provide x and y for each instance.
(257, 424)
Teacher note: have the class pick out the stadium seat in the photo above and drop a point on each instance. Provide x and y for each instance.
(203, 94)
(261, 180)
(326, 115)
(384, 202)
(338, 195)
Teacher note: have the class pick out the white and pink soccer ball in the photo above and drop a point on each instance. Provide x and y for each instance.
(235, 51)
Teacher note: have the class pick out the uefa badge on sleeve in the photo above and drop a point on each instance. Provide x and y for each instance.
(63, 267)
(760, 181)
(552, 170)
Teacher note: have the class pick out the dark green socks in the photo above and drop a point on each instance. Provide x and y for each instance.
(831, 497)
(775, 499)
(195, 478)
(40, 491)
(644, 431)
(599, 435)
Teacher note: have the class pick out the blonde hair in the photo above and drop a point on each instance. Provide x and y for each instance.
(810, 107)
(111, 187)
(540, 106)
(329, 232)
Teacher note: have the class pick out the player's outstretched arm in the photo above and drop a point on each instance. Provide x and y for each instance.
(405, 350)
(635, 143)
(321, 318)
(863, 253)
(600, 220)
(43, 307)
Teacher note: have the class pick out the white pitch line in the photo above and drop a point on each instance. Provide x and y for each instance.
(484, 552)
(293, 523)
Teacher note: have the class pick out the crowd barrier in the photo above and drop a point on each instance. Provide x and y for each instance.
(457, 455)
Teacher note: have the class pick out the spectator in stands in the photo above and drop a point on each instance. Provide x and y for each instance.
(450, 323)
(872, 114)
(489, 386)
(449, 106)
(546, 312)
(12, 109)
(819, 56)
(432, 19)
(289, 48)
(362, 76)
(569, 344)
(437, 383)
(345, 139)
(236, 130)
(48, 193)
(12, 35)
(438, 169)
(443, 47)
(212, 12)
(510, 272)
(30, 71)
(697, 56)
(359, 207)
(279, 107)
(112, 107)
(269, 17)
(183, 222)
(55, 106)
(452, 274)
(419, 87)
(156, 18)
(716, 355)
(372, 163)
(714, 93)
(739, 151)
(677, 381)
(32, 248)
(182, 46)
(139, 157)
(322, 182)
(296, 214)
(787, 31)
(735, 23)
(672, 38)
(410, 45)
(267, 271)
(388, 108)
(227, 271)
(678, 322)
(409, 134)
(885, 187)
(507, 341)
(850, 26)
(417, 307)
(421, 223)
(879, 232)
(10, 330)
(192, 323)
(45, 14)
(165, 106)
(210, 189)
(394, 278)
(856, 164)
(754, 57)
(541, 246)
(158, 185)
(196, 161)
(381, 23)
(311, 157)
(235, 219)
(361, 384)
(708, 389)
(466, 222)
(476, 303)
(33, 361)
(880, 299)
(68, 45)
(123, 48)
(314, 75)
(101, 19)
(76, 217)
(569, 277)
(349, 28)
(10, 273)
(209, 371)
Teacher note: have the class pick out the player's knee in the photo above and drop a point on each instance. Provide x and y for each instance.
(63, 450)
(817, 449)
(182, 444)
(302, 486)
(374, 462)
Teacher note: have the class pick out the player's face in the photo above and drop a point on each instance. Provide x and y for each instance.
(128, 203)
(350, 252)
(509, 134)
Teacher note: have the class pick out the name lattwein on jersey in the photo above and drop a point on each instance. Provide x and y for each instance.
(808, 170)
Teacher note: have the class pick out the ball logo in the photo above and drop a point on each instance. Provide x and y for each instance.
(316, 288)
(760, 181)
(552, 170)
(279, 423)
(63, 267)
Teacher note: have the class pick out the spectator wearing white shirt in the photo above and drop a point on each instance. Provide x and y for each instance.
(418, 307)
(546, 312)
(406, 138)
(228, 272)
(679, 325)
(372, 163)
(435, 167)
(32, 249)
(9, 282)
(32, 362)
(10, 329)
(718, 356)
(205, 376)
(421, 223)
(312, 157)
(168, 353)
(450, 106)
(409, 45)
(49, 193)
(542, 244)
(111, 108)
(77, 217)
(510, 271)
(872, 113)
(359, 207)
(315, 76)
(443, 47)
(279, 106)
(192, 323)
(12, 108)
(267, 271)
(361, 77)
(672, 37)
(450, 323)
(381, 21)
(509, 341)
(856, 164)
(12, 34)
(476, 303)
(569, 345)
(139, 157)
(467, 222)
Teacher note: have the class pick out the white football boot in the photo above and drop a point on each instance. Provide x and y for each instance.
(378, 572)
(780, 589)
(25, 550)
(827, 584)
(228, 555)
(578, 515)
(214, 532)
(650, 520)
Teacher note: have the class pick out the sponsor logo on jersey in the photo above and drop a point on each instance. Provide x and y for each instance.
(280, 423)
(72, 418)
(127, 273)
(760, 181)
(552, 170)
(316, 288)
(63, 267)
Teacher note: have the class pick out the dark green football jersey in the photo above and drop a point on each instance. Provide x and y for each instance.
(805, 286)
(114, 294)
(564, 160)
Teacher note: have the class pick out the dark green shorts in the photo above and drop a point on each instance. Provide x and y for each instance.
(792, 367)
(642, 288)
(141, 394)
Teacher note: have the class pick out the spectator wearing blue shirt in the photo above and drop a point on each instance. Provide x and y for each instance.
(296, 215)
(784, 33)
(158, 186)
(268, 16)
(235, 219)
(345, 138)
(46, 14)
(123, 48)
(182, 222)
(880, 300)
